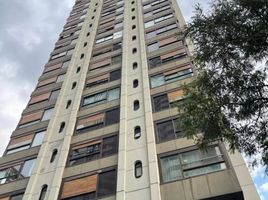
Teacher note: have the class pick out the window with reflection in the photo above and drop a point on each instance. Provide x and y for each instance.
(182, 165)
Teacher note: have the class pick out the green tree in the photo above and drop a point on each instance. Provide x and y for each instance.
(228, 99)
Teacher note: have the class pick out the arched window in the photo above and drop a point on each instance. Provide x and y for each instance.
(137, 132)
(73, 85)
(135, 65)
(135, 83)
(62, 125)
(133, 27)
(68, 104)
(78, 69)
(134, 50)
(134, 37)
(82, 56)
(136, 105)
(43, 192)
(53, 156)
(138, 169)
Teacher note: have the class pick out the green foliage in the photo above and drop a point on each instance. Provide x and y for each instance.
(228, 100)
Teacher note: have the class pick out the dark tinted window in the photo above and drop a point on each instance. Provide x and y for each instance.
(107, 183)
(154, 62)
(109, 146)
(165, 131)
(160, 102)
(115, 75)
(112, 116)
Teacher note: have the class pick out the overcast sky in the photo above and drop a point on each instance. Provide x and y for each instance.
(28, 31)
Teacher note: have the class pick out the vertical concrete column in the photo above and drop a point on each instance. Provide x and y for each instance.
(143, 149)
(47, 172)
(243, 176)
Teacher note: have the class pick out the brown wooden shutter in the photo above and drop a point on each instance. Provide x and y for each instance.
(53, 67)
(31, 117)
(173, 53)
(107, 25)
(27, 139)
(86, 144)
(167, 41)
(108, 20)
(89, 121)
(47, 81)
(177, 70)
(39, 98)
(102, 77)
(175, 96)
(100, 64)
(79, 186)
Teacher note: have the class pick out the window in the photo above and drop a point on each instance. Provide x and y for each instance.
(17, 197)
(62, 126)
(17, 149)
(112, 116)
(58, 55)
(102, 97)
(136, 105)
(134, 50)
(171, 76)
(60, 78)
(135, 83)
(137, 132)
(81, 188)
(138, 169)
(53, 156)
(135, 65)
(43, 192)
(93, 150)
(25, 142)
(54, 94)
(157, 20)
(38, 138)
(74, 85)
(168, 130)
(109, 146)
(28, 167)
(167, 57)
(171, 168)
(69, 102)
(192, 163)
(115, 75)
(153, 47)
(101, 79)
(98, 121)
(157, 80)
(154, 62)
(47, 114)
(10, 174)
(109, 37)
(160, 102)
(91, 187)
(107, 184)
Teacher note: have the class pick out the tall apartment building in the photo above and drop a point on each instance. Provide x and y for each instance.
(102, 120)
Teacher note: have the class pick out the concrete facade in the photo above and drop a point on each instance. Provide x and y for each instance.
(149, 160)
